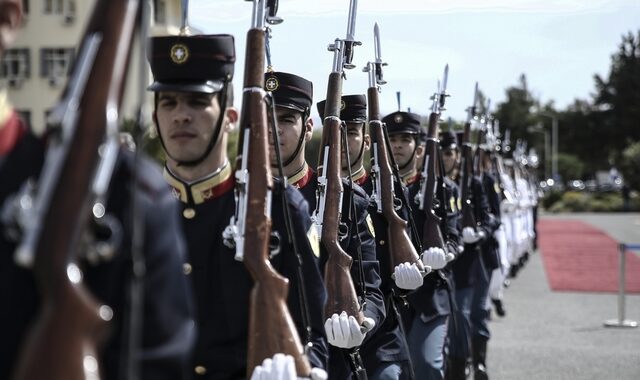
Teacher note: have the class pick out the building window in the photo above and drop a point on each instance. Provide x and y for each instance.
(160, 12)
(15, 66)
(53, 6)
(55, 64)
(25, 115)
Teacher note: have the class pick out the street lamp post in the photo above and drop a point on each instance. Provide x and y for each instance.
(554, 144)
(539, 128)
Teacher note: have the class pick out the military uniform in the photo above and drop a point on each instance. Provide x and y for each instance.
(430, 305)
(385, 353)
(294, 92)
(222, 284)
(167, 314)
(470, 274)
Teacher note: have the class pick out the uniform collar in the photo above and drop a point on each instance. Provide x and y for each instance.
(410, 177)
(301, 178)
(360, 176)
(202, 190)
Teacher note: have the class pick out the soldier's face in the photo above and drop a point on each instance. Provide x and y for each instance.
(450, 159)
(290, 126)
(403, 146)
(355, 139)
(187, 122)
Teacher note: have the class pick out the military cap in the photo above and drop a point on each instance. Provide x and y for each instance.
(353, 108)
(200, 63)
(402, 122)
(448, 140)
(289, 90)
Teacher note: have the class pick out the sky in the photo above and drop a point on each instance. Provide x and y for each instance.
(558, 44)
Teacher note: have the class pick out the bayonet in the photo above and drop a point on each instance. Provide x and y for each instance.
(184, 28)
(471, 111)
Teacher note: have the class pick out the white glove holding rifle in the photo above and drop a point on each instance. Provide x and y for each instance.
(407, 276)
(283, 367)
(344, 331)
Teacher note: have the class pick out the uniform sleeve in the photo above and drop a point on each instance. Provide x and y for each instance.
(493, 196)
(168, 326)
(375, 308)
(315, 291)
(485, 220)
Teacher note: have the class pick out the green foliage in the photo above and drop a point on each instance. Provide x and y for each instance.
(148, 142)
(573, 201)
(630, 165)
(570, 167)
(312, 149)
(551, 198)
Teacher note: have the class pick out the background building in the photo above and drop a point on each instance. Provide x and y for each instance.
(36, 69)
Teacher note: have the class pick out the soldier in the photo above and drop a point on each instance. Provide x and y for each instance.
(193, 117)
(469, 265)
(406, 143)
(292, 95)
(167, 330)
(480, 305)
(386, 354)
(429, 306)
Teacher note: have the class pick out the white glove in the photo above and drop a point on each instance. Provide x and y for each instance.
(280, 367)
(408, 276)
(344, 332)
(470, 235)
(434, 257)
(283, 367)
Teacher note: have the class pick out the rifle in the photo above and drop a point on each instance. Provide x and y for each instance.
(341, 293)
(63, 342)
(432, 232)
(271, 328)
(466, 170)
(401, 248)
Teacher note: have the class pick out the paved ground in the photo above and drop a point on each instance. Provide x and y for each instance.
(560, 335)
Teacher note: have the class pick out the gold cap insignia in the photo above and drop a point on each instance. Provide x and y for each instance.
(271, 84)
(398, 118)
(179, 54)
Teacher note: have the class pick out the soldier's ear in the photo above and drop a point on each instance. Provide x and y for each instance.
(231, 114)
(10, 21)
(367, 142)
(308, 129)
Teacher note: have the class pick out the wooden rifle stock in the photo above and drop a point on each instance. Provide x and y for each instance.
(431, 232)
(468, 214)
(401, 249)
(63, 342)
(341, 293)
(271, 328)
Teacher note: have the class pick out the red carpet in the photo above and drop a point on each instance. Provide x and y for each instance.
(579, 257)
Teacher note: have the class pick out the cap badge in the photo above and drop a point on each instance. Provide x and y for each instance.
(271, 84)
(398, 118)
(179, 54)
(343, 105)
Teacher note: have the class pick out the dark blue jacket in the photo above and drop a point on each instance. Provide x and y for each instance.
(222, 284)
(375, 308)
(167, 312)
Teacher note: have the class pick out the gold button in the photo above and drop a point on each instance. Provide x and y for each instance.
(186, 268)
(189, 213)
(200, 370)
(382, 242)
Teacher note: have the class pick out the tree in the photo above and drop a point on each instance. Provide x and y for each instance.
(629, 165)
(618, 96)
(515, 113)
